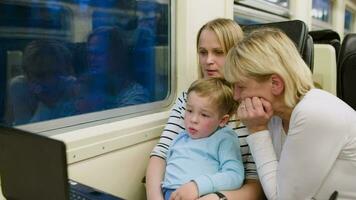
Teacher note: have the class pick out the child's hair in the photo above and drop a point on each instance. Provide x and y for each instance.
(219, 91)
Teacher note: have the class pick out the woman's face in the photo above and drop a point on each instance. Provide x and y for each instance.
(211, 54)
(252, 88)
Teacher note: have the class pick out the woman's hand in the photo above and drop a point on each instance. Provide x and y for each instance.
(188, 191)
(255, 113)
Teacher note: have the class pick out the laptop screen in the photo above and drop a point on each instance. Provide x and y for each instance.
(32, 166)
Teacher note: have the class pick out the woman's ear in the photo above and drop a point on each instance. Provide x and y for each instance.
(277, 84)
(224, 120)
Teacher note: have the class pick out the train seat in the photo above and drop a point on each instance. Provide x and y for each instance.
(308, 53)
(346, 70)
(324, 73)
(327, 36)
(297, 31)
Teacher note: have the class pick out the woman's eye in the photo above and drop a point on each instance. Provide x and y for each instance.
(219, 52)
(202, 52)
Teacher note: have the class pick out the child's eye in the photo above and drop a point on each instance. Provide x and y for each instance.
(205, 115)
(189, 110)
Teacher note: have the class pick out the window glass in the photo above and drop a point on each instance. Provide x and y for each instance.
(321, 10)
(245, 16)
(73, 58)
(276, 7)
(348, 21)
(282, 3)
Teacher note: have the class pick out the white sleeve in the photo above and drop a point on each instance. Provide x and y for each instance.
(266, 161)
(315, 139)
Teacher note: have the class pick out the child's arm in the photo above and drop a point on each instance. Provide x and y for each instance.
(231, 173)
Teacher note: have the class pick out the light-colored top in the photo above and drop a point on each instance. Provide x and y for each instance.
(318, 154)
(214, 162)
(175, 125)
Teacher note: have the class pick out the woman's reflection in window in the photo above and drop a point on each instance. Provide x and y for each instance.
(108, 82)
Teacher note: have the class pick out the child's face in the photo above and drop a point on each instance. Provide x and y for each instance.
(201, 117)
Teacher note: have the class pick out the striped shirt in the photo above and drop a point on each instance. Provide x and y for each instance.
(175, 125)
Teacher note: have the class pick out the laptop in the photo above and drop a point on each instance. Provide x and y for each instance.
(35, 167)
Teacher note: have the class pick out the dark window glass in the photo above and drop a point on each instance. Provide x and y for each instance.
(322, 10)
(348, 20)
(64, 58)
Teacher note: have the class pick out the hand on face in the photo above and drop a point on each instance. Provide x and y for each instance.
(188, 191)
(255, 113)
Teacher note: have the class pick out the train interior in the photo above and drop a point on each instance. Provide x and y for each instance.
(109, 148)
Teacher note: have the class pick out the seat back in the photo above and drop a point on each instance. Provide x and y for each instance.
(327, 36)
(324, 74)
(296, 30)
(346, 70)
(308, 53)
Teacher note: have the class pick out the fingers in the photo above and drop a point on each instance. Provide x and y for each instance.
(252, 105)
(267, 107)
(173, 195)
(255, 113)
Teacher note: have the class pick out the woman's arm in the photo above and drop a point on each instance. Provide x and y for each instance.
(251, 190)
(154, 176)
(173, 127)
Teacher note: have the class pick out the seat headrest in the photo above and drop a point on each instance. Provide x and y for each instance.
(324, 35)
(296, 30)
(347, 70)
(348, 45)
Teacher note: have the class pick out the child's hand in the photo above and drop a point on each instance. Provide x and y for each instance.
(188, 191)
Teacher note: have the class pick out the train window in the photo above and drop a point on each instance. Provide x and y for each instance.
(245, 16)
(349, 19)
(67, 62)
(321, 14)
(277, 7)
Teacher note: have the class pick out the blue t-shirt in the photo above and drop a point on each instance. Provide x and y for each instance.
(213, 163)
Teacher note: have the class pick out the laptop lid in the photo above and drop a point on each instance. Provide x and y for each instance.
(32, 166)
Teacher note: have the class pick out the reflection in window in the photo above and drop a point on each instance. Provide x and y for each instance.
(348, 21)
(321, 10)
(244, 20)
(282, 3)
(246, 16)
(275, 7)
(65, 58)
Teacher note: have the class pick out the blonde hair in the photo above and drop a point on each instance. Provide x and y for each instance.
(227, 31)
(219, 91)
(268, 51)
